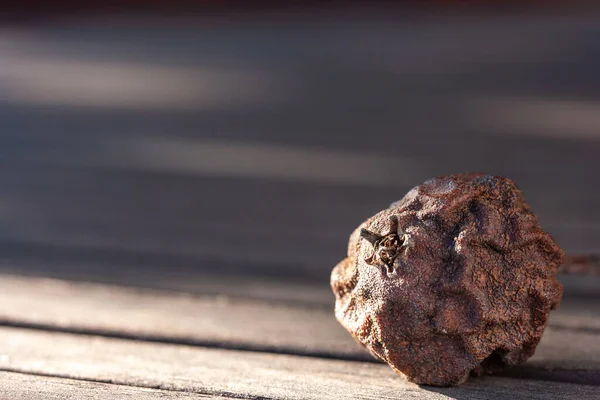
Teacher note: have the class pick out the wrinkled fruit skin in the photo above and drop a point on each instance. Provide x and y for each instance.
(469, 290)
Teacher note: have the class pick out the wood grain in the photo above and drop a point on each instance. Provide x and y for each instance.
(243, 374)
(570, 345)
(34, 387)
(168, 316)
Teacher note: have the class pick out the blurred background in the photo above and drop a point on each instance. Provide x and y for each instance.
(234, 149)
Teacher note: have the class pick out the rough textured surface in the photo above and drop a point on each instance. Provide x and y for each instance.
(457, 277)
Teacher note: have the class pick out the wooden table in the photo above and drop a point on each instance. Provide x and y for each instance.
(175, 191)
(64, 339)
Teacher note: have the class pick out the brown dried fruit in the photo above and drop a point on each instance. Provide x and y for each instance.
(455, 278)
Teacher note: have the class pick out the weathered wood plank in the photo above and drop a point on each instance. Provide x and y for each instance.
(213, 320)
(168, 316)
(283, 281)
(243, 374)
(570, 344)
(34, 387)
(166, 272)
